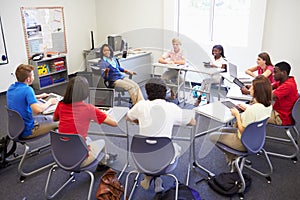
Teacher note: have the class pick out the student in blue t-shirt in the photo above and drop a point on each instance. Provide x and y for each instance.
(21, 98)
(113, 73)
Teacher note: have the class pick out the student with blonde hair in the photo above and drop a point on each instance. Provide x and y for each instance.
(174, 56)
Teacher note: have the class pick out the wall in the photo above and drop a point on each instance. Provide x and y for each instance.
(281, 34)
(119, 16)
(79, 20)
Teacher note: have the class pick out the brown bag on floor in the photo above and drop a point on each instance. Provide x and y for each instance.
(110, 187)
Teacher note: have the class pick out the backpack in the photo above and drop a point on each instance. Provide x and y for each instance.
(6, 149)
(184, 193)
(228, 184)
(110, 187)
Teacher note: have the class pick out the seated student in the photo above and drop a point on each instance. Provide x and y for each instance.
(113, 73)
(261, 90)
(21, 98)
(217, 60)
(74, 116)
(140, 113)
(285, 94)
(174, 56)
(264, 67)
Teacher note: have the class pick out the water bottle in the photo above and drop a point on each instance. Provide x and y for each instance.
(203, 99)
(124, 55)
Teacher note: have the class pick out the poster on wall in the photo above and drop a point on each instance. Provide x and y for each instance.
(3, 53)
(44, 30)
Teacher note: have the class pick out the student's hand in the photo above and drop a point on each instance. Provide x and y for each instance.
(52, 101)
(130, 72)
(248, 86)
(244, 90)
(41, 96)
(106, 72)
(170, 62)
(242, 106)
(234, 111)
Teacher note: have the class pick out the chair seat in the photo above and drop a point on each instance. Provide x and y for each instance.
(281, 126)
(231, 150)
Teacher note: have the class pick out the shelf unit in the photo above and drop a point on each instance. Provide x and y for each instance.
(50, 72)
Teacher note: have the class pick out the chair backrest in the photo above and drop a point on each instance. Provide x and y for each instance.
(152, 155)
(15, 124)
(296, 111)
(97, 73)
(253, 137)
(68, 150)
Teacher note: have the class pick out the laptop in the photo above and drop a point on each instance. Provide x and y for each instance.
(230, 105)
(50, 108)
(232, 70)
(102, 98)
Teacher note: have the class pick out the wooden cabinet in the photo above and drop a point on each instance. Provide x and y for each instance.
(50, 72)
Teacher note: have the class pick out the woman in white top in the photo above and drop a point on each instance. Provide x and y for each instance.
(261, 90)
(217, 60)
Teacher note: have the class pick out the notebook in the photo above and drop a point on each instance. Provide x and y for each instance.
(51, 108)
(102, 98)
(230, 105)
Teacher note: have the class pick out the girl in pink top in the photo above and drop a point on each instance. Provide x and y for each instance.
(264, 67)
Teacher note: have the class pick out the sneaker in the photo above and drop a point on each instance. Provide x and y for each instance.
(146, 182)
(158, 185)
(110, 158)
(101, 167)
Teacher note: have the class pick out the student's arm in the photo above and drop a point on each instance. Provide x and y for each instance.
(238, 118)
(251, 71)
(136, 121)
(180, 62)
(267, 73)
(39, 108)
(110, 121)
(164, 61)
(192, 122)
(41, 96)
(244, 90)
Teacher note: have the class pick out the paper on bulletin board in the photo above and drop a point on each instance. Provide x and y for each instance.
(36, 46)
(58, 41)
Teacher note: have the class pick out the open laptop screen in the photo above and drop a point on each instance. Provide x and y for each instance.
(233, 70)
(102, 97)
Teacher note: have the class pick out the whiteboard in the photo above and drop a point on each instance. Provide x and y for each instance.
(3, 53)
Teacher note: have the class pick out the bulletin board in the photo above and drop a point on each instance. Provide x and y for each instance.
(3, 52)
(44, 30)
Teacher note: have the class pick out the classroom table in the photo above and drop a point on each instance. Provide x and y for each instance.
(220, 116)
(210, 71)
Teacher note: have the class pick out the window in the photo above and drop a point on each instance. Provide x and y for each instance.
(217, 21)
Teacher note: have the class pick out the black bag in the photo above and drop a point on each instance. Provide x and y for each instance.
(184, 193)
(7, 148)
(228, 184)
